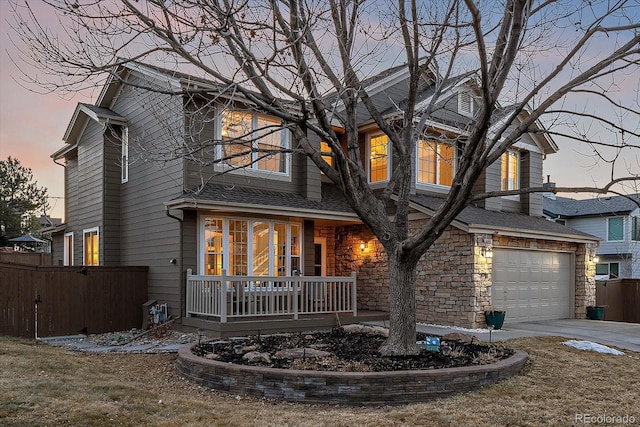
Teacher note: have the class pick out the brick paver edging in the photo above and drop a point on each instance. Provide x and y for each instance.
(347, 388)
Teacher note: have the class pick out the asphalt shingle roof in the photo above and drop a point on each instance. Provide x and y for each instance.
(473, 215)
(332, 199)
(609, 205)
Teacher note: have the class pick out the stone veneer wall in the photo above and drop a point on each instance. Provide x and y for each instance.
(585, 284)
(454, 277)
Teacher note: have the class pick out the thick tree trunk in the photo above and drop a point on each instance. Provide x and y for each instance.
(402, 308)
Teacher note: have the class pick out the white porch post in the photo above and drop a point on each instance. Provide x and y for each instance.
(295, 284)
(354, 294)
(223, 296)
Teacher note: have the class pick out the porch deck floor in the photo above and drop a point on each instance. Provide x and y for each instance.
(213, 328)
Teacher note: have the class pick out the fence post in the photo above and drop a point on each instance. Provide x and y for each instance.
(223, 296)
(354, 294)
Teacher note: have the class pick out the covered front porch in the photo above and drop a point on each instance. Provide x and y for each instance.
(238, 305)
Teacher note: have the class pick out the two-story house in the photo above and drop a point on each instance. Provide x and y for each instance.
(614, 219)
(250, 236)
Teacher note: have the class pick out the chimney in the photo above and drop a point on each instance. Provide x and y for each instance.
(551, 187)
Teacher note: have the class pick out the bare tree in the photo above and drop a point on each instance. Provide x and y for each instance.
(307, 63)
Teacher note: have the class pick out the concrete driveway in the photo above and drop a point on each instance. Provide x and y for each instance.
(616, 334)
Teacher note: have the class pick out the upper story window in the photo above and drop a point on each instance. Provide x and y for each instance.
(327, 154)
(615, 229)
(253, 141)
(91, 246)
(124, 155)
(379, 164)
(635, 228)
(510, 171)
(465, 104)
(436, 163)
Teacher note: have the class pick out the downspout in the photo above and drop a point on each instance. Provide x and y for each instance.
(182, 273)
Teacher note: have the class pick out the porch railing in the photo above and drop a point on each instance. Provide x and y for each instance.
(227, 296)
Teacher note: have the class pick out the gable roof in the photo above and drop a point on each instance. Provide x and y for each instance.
(479, 220)
(81, 116)
(600, 206)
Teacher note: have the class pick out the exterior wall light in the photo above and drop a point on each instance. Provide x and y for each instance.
(596, 259)
(363, 246)
(487, 252)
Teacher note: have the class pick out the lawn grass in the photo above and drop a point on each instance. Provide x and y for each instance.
(48, 386)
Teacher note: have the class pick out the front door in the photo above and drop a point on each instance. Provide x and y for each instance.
(320, 256)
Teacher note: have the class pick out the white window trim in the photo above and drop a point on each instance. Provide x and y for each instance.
(608, 275)
(383, 182)
(438, 188)
(68, 255)
(461, 111)
(124, 156)
(623, 228)
(225, 243)
(252, 169)
(322, 241)
(84, 233)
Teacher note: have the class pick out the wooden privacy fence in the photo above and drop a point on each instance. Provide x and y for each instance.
(29, 258)
(70, 300)
(621, 298)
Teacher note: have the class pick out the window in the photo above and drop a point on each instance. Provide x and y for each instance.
(615, 229)
(635, 229)
(465, 104)
(436, 163)
(609, 269)
(509, 179)
(253, 141)
(91, 246)
(378, 158)
(255, 247)
(327, 154)
(68, 249)
(124, 157)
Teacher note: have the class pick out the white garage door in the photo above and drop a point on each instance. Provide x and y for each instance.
(532, 285)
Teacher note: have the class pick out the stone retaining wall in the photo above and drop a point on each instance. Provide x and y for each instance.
(347, 388)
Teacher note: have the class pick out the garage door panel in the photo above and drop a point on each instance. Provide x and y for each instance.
(532, 285)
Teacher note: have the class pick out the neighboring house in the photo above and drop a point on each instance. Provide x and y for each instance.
(278, 222)
(614, 219)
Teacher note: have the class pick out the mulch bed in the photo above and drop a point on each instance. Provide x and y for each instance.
(350, 352)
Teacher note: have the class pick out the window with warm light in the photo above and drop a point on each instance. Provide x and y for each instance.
(436, 163)
(253, 141)
(254, 247)
(509, 179)
(327, 154)
(378, 148)
(91, 246)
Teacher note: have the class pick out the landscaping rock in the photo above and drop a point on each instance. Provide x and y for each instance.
(256, 357)
(366, 329)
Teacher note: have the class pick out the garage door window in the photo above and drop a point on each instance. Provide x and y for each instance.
(615, 229)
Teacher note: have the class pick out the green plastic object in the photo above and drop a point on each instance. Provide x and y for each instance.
(494, 318)
(595, 312)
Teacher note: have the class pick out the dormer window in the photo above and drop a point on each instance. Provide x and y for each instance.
(436, 163)
(465, 104)
(510, 172)
(253, 141)
(378, 152)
